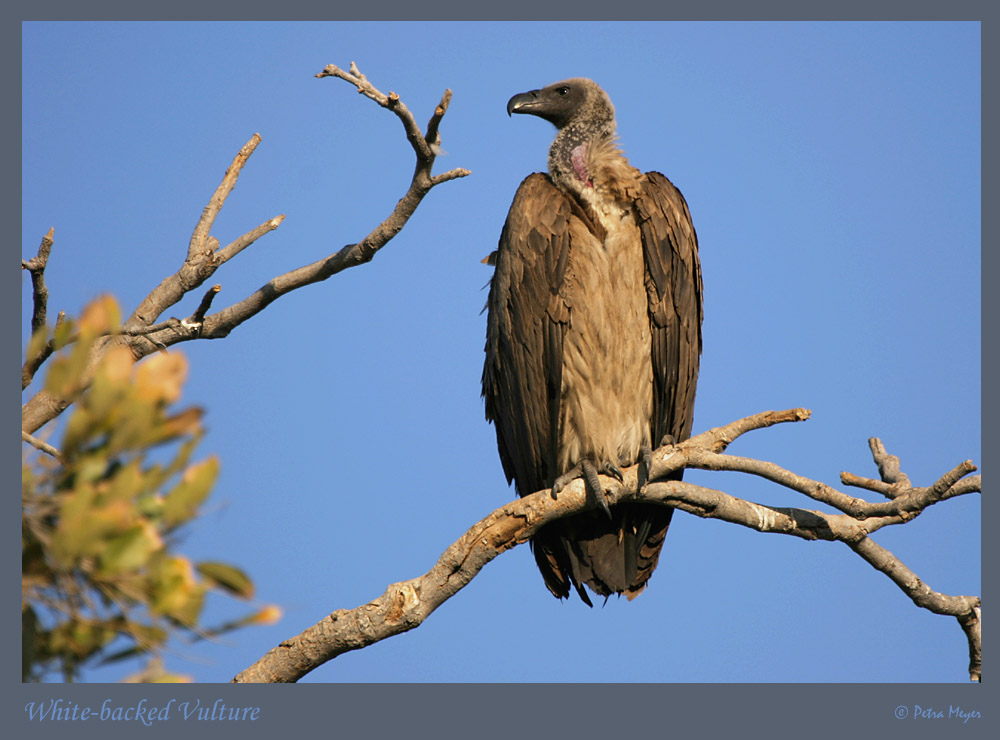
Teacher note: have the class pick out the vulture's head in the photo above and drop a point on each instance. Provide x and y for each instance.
(578, 100)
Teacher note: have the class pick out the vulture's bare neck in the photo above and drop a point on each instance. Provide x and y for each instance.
(586, 162)
(568, 154)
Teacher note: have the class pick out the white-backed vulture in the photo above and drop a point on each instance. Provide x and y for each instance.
(593, 338)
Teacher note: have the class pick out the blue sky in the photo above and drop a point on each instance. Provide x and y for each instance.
(833, 174)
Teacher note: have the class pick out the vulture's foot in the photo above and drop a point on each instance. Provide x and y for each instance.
(594, 486)
(585, 469)
(565, 479)
(645, 466)
(612, 471)
(668, 439)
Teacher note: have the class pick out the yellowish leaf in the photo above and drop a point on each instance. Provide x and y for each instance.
(37, 343)
(116, 365)
(130, 550)
(63, 332)
(161, 377)
(175, 591)
(85, 524)
(173, 678)
(270, 614)
(228, 578)
(100, 316)
(183, 500)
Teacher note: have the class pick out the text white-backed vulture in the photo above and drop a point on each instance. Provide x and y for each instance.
(593, 338)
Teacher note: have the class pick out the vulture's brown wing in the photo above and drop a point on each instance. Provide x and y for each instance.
(527, 320)
(528, 315)
(673, 288)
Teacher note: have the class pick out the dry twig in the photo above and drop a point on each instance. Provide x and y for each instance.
(40, 445)
(36, 266)
(40, 298)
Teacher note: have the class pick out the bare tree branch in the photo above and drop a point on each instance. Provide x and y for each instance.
(967, 609)
(40, 298)
(199, 237)
(206, 303)
(204, 256)
(40, 445)
(36, 266)
(972, 625)
(888, 467)
(238, 245)
(407, 604)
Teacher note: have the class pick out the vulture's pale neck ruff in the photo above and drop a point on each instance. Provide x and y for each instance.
(586, 161)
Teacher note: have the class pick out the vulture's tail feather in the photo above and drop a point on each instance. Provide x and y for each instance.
(615, 556)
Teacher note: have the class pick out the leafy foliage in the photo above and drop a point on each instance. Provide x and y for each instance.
(100, 521)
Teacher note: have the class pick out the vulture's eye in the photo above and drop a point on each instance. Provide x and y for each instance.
(563, 90)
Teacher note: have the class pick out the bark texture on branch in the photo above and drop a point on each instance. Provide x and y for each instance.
(405, 605)
(40, 300)
(143, 335)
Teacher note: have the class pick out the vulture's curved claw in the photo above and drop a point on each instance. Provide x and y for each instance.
(612, 471)
(585, 469)
(645, 465)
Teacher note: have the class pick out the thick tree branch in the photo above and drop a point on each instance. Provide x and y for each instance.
(406, 605)
(204, 256)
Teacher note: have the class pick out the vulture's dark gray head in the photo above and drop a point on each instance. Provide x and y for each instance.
(578, 100)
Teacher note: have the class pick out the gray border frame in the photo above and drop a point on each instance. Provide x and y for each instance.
(503, 710)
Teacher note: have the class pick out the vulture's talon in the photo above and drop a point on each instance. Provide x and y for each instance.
(585, 469)
(594, 486)
(612, 471)
(645, 466)
(566, 478)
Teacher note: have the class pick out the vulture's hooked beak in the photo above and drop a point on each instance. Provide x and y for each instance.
(522, 102)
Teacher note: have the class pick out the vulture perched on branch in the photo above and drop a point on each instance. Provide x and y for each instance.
(593, 339)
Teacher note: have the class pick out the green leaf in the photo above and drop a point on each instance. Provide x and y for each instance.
(65, 376)
(127, 482)
(86, 523)
(182, 502)
(37, 343)
(129, 551)
(228, 578)
(63, 333)
(147, 639)
(175, 592)
(157, 476)
(81, 638)
(137, 419)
